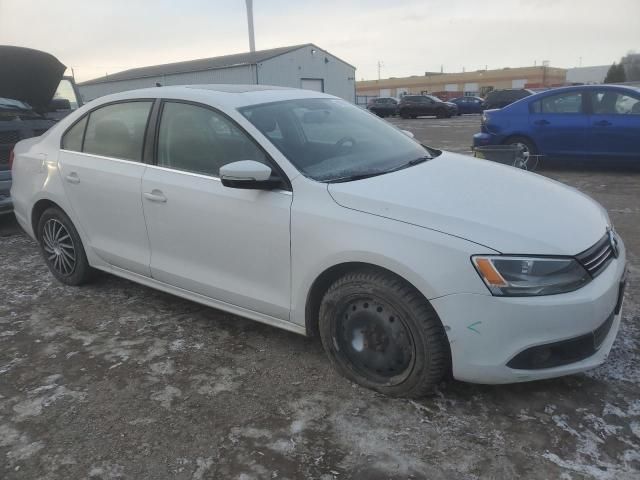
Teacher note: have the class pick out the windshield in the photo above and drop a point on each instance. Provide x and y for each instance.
(332, 140)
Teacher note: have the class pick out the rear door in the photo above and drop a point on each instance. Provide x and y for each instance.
(614, 123)
(101, 166)
(558, 123)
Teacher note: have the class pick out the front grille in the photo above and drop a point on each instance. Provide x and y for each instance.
(596, 258)
(9, 136)
(4, 157)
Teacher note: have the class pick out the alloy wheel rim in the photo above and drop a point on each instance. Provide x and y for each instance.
(376, 341)
(58, 246)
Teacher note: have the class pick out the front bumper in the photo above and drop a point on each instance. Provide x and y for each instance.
(486, 333)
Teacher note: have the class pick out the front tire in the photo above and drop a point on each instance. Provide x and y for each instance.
(62, 248)
(379, 332)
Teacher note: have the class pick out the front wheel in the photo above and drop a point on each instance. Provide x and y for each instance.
(62, 248)
(381, 333)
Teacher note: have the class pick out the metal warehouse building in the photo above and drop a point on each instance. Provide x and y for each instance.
(300, 66)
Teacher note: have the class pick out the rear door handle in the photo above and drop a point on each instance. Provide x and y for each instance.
(602, 123)
(155, 196)
(73, 178)
(541, 122)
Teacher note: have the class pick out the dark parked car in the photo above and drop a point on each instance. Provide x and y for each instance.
(33, 96)
(468, 104)
(412, 106)
(585, 121)
(502, 98)
(383, 106)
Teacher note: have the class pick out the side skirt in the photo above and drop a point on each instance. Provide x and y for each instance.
(210, 302)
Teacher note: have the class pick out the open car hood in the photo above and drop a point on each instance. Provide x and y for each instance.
(29, 75)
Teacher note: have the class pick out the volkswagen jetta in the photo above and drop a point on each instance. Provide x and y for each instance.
(297, 209)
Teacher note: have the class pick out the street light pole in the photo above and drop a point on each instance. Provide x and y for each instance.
(252, 41)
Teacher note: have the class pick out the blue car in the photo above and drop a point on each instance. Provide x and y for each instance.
(468, 104)
(588, 120)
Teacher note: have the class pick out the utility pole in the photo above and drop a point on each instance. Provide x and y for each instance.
(380, 65)
(252, 41)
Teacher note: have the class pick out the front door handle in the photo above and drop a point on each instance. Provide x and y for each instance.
(155, 196)
(73, 178)
(541, 122)
(602, 123)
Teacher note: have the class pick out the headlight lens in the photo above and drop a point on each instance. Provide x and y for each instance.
(512, 276)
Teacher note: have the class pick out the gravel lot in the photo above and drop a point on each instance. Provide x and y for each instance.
(115, 380)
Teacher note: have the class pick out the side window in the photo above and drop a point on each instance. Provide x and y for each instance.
(72, 139)
(562, 103)
(199, 140)
(117, 130)
(614, 103)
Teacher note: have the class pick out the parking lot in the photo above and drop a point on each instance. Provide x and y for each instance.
(116, 380)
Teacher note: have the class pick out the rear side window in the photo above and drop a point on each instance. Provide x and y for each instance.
(200, 140)
(72, 140)
(117, 130)
(561, 103)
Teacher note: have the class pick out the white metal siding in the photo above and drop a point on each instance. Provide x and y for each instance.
(288, 70)
(241, 75)
(519, 83)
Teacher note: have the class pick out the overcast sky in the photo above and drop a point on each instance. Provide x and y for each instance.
(408, 36)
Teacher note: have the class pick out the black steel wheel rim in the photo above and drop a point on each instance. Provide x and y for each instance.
(375, 340)
(58, 246)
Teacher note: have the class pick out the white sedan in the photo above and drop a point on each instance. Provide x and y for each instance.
(300, 210)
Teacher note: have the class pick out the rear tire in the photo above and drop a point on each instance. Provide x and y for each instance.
(404, 115)
(62, 248)
(527, 145)
(379, 332)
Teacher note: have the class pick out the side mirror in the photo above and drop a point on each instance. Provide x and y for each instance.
(248, 174)
(408, 133)
(59, 104)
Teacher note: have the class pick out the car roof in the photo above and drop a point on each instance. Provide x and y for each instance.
(227, 95)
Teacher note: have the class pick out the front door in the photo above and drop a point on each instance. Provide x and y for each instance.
(100, 164)
(228, 244)
(614, 123)
(559, 125)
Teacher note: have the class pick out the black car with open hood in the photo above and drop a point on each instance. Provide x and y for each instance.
(33, 96)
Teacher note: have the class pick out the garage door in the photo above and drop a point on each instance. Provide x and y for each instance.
(315, 84)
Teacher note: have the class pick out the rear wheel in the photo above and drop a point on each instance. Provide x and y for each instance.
(404, 114)
(527, 148)
(382, 334)
(62, 248)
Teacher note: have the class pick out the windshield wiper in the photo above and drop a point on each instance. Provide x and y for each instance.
(360, 176)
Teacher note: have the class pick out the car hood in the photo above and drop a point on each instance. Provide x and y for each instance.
(28, 75)
(501, 207)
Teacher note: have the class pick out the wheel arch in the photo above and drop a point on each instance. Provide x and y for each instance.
(324, 280)
(38, 209)
(523, 136)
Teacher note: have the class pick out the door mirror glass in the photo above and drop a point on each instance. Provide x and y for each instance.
(248, 174)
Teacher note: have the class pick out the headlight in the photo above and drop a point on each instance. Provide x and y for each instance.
(512, 276)
(484, 119)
